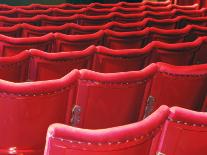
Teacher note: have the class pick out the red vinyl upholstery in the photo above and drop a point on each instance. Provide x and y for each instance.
(130, 139)
(46, 66)
(99, 92)
(14, 68)
(27, 109)
(184, 132)
(12, 46)
(107, 60)
(185, 87)
(77, 42)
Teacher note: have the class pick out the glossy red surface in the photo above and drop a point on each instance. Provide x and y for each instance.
(129, 139)
(184, 133)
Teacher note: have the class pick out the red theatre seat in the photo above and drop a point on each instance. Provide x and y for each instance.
(126, 27)
(97, 12)
(9, 13)
(95, 20)
(168, 36)
(36, 31)
(100, 101)
(189, 13)
(12, 46)
(31, 13)
(50, 20)
(125, 10)
(46, 66)
(79, 29)
(185, 132)
(102, 6)
(107, 60)
(13, 31)
(163, 24)
(129, 18)
(15, 68)
(6, 21)
(184, 21)
(27, 109)
(201, 54)
(182, 86)
(126, 40)
(130, 139)
(181, 54)
(186, 2)
(77, 42)
(188, 7)
(64, 13)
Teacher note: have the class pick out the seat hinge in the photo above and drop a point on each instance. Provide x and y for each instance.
(75, 120)
(160, 153)
(149, 106)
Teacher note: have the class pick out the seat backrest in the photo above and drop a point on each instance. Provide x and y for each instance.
(130, 139)
(169, 36)
(190, 13)
(6, 21)
(126, 40)
(27, 109)
(36, 31)
(76, 29)
(129, 18)
(52, 21)
(125, 10)
(13, 31)
(201, 54)
(180, 54)
(127, 27)
(182, 129)
(97, 5)
(97, 12)
(31, 13)
(46, 66)
(185, 2)
(15, 68)
(158, 15)
(156, 4)
(167, 8)
(63, 13)
(11, 46)
(112, 99)
(9, 13)
(95, 20)
(183, 86)
(77, 42)
(184, 20)
(107, 60)
(162, 23)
